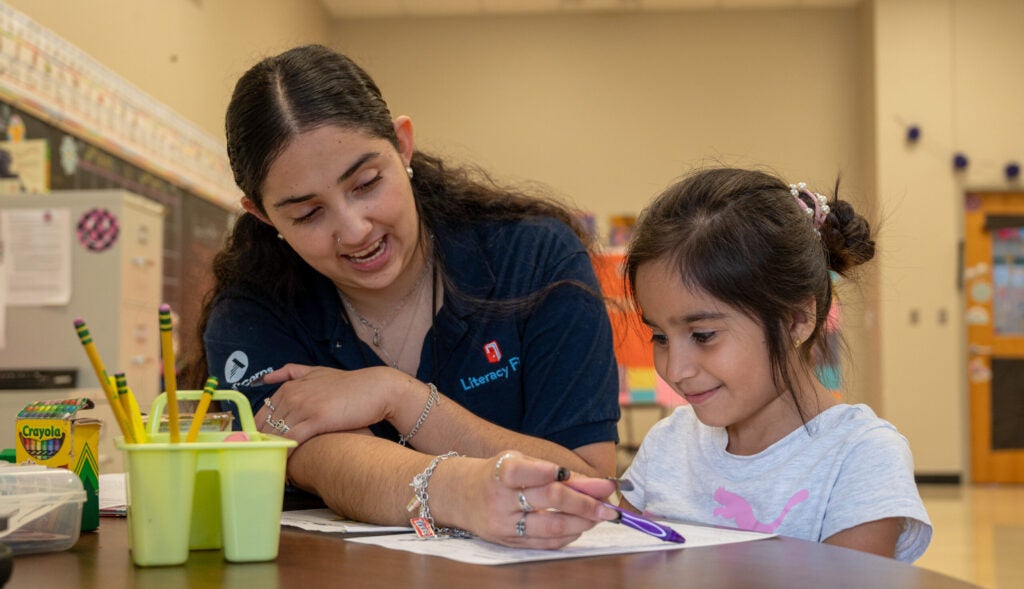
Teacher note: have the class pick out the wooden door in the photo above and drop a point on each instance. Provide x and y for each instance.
(994, 296)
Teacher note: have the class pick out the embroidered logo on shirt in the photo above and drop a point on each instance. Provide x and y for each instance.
(736, 508)
(235, 367)
(471, 382)
(255, 380)
(492, 351)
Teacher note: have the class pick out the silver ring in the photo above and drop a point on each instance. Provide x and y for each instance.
(279, 425)
(521, 527)
(497, 465)
(266, 401)
(524, 505)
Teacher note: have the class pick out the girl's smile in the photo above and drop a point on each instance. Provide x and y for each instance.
(715, 357)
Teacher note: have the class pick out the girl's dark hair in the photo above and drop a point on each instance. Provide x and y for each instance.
(306, 88)
(739, 236)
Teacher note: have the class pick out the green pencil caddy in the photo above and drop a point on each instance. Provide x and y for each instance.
(204, 495)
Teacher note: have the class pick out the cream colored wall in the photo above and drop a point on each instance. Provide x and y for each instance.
(947, 66)
(920, 384)
(609, 109)
(186, 53)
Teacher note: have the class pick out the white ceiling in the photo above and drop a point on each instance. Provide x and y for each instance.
(425, 8)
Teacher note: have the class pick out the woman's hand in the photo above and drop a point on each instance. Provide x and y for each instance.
(516, 500)
(313, 400)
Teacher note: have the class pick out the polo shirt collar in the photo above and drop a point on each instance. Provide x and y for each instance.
(466, 262)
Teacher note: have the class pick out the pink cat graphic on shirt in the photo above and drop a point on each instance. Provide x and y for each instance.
(736, 508)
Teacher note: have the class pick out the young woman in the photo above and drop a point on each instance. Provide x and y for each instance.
(372, 294)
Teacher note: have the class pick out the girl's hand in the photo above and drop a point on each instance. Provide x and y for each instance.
(314, 400)
(516, 500)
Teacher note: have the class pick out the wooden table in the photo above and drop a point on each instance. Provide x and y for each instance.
(310, 560)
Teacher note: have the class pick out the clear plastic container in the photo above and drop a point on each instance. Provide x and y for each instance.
(42, 507)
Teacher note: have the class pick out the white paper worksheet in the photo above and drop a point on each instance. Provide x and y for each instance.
(604, 538)
(325, 520)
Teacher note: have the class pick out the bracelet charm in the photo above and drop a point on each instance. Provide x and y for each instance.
(424, 524)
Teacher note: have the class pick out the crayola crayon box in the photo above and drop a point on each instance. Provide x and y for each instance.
(52, 434)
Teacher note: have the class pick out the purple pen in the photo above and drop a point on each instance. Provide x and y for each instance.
(636, 522)
(647, 526)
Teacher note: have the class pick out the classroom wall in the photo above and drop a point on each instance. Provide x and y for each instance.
(952, 67)
(186, 53)
(608, 109)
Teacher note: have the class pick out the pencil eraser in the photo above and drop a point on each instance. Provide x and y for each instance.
(165, 308)
(237, 437)
(79, 322)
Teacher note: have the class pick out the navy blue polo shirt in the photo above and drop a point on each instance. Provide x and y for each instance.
(547, 371)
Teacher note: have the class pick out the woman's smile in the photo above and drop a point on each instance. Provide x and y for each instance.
(368, 258)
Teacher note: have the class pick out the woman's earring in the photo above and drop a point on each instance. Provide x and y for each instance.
(408, 170)
(279, 236)
(797, 342)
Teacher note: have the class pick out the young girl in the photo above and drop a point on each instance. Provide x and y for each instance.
(730, 270)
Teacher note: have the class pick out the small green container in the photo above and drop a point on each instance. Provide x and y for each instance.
(204, 495)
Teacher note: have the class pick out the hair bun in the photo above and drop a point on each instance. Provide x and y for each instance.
(847, 236)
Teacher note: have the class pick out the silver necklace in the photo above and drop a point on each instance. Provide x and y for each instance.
(379, 327)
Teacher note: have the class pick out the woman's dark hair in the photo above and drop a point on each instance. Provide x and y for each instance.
(306, 88)
(740, 236)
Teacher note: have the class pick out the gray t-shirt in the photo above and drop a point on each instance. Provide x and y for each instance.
(846, 467)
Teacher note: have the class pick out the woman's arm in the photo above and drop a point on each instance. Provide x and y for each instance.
(347, 471)
(317, 400)
(449, 426)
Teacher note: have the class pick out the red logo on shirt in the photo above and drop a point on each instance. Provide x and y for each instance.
(493, 352)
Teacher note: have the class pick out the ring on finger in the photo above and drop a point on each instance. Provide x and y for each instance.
(497, 465)
(266, 401)
(524, 505)
(521, 527)
(279, 425)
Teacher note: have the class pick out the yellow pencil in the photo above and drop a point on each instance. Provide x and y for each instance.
(136, 417)
(204, 404)
(101, 375)
(131, 408)
(170, 376)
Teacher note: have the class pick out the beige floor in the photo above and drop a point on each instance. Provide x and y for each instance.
(978, 533)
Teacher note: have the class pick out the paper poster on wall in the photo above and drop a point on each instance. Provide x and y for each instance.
(37, 254)
(30, 162)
